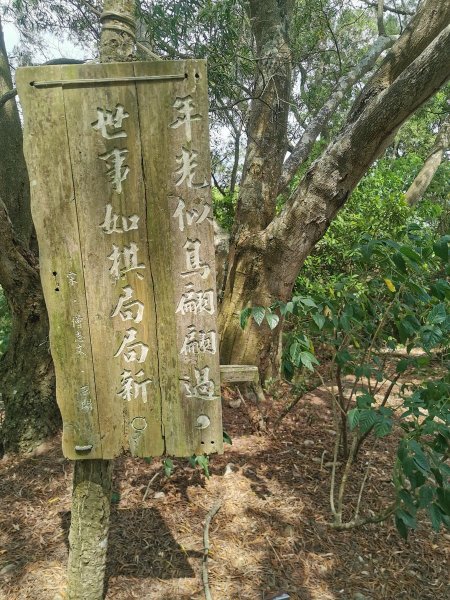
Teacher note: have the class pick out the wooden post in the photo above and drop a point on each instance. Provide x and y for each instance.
(124, 224)
(92, 479)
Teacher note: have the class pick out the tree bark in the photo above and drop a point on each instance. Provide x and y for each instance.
(92, 480)
(118, 37)
(268, 116)
(264, 263)
(88, 537)
(432, 162)
(266, 148)
(318, 123)
(26, 369)
(27, 374)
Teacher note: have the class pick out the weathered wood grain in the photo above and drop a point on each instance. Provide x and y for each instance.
(126, 375)
(239, 374)
(46, 147)
(185, 411)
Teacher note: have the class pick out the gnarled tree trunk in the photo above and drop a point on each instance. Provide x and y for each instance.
(268, 251)
(26, 370)
(251, 278)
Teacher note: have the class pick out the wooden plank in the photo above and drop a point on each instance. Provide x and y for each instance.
(239, 374)
(176, 116)
(111, 208)
(54, 214)
(124, 215)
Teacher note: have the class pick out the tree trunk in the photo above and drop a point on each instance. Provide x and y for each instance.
(88, 537)
(250, 277)
(26, 370)
(92, 480)
(261, 273)
(27, 375)
(264, 263)
(422, 181)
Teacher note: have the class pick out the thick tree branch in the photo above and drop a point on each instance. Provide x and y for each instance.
(8, 96)
(380, 18)
(329, 182)
(303, 147)
(422, 181)
(268, 115)
(392, 9)
(431, 18)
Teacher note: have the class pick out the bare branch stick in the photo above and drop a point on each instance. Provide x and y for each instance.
(304, 145)
(149, 484)
(380, 18)
(205, 577)
(392, 9)
(10, 94)
(363, 483)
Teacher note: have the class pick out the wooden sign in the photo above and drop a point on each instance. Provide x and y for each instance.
(118, 159)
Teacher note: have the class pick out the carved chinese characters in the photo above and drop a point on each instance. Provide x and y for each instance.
(126, 269)
(195, 301)
(124, 223)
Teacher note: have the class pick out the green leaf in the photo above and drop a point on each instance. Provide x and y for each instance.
(115, 497)
(319, 320)
(244, 316)
(402, 365)
(408, 520)
(435, 516)
(258, 313)
(441, 248)
(203, 461)
(401, 527)
(343, 357)
(383, 428)
(227, 439)
(286, 308)
(364, 370)
(307, 360)
(411, 254)
(399, 262)
(364, 401)
(419, 457)
(431, 336)
(353, 418)
(294, 353)
(367, 418)
(444, 500)
(345, 323)
(426, 495)
(407, 499)
(437, 314)
(168, 467)
(440, 289)
(305, 301)
(272, 319)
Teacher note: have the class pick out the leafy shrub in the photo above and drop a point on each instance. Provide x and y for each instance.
(369, 325)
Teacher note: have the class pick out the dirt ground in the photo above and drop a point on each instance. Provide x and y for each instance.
(270, 534)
